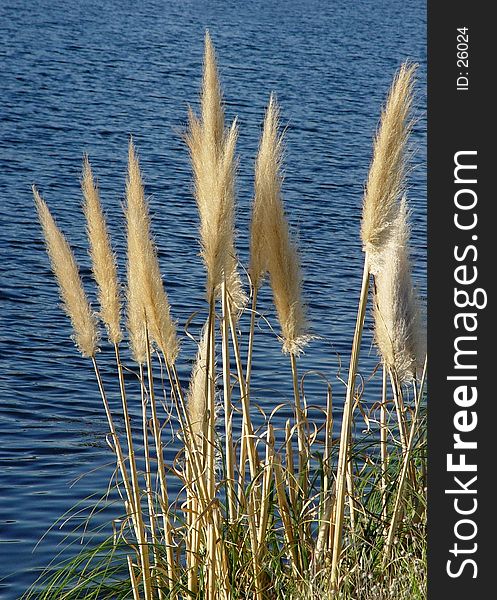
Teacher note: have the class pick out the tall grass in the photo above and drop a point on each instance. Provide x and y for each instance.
(262, 512)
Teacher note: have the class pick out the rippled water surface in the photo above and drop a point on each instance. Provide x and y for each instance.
(81, 77)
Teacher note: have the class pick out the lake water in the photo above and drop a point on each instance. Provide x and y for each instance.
(82, 76)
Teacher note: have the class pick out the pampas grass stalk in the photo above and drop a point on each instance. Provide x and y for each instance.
(132, 494)
(285, 514)
(248, 430)
(399, 409)
(163, 495)
(105, 274)
(195, 438)
(384, 441)
(394, 520)
(250, 349)
(148, 315)
(161, 471)
(229, 447)
(266, 481)
(78, 309)
(248, 443)
(272, 250)
(326, 508)
(343, 457)
(210, 395)
(212, 152)
(148, 469)
(384, 187)
(132, 576)
(289, 464)
(135, 486)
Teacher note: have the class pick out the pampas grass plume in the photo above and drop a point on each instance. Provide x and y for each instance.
(397, 316)
(103, 259)
(386, 179)
(196, 400)
(212, 99)
(147, 298)
(212, 153)
(267, 188)
(66, 272)
(272, 248)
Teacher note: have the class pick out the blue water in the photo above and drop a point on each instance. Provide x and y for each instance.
(80, 77)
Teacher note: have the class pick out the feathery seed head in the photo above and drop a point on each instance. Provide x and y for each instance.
(397, 315)
(272, 247)
(267, 185)
(103, 259)
(196, 400)
(66, 272)
(212, 153)
(386, 179)
(212, 100)
(146, 295)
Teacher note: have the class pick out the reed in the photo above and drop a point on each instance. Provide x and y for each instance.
(105, 274)
(261, 510)
(385, 184)
(86, 335)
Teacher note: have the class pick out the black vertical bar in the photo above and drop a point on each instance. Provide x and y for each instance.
(462, 111)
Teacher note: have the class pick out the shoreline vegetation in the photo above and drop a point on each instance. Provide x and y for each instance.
(262, 513)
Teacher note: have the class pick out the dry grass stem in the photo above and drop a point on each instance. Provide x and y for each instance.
(394, 519)
(381, 206)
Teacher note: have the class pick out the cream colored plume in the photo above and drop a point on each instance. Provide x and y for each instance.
(103, 259)
(212, 152)
(398, 326)
(267, 190)
(147, 298)
(196, 400)
(272, 248)
(386, 179)
(66, 271)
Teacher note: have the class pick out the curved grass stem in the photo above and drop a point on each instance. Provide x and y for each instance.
(343, 457)
(131, 492)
